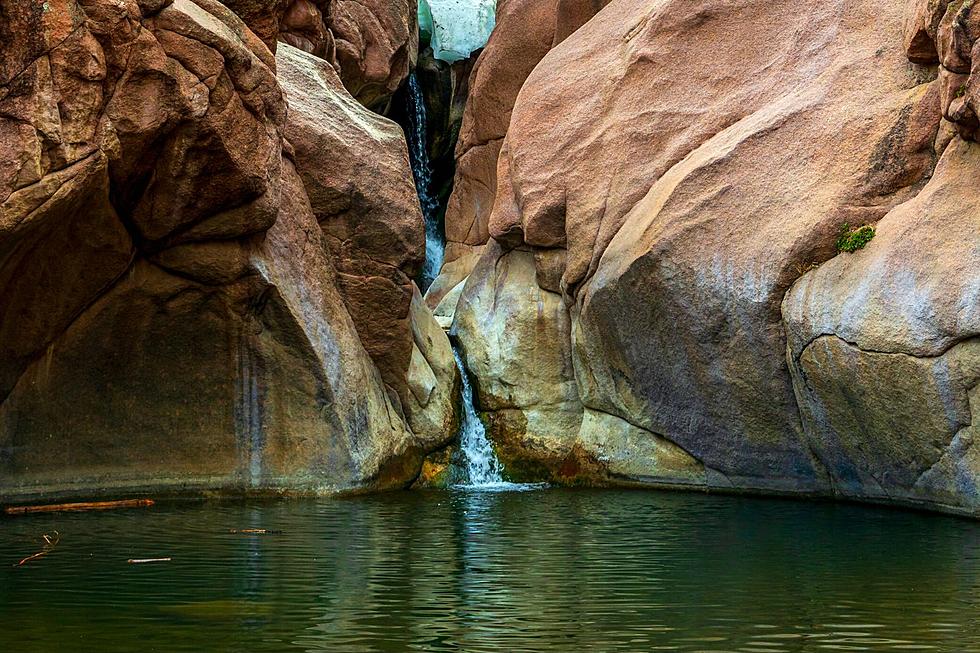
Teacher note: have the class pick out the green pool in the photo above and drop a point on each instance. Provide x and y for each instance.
(538, 570)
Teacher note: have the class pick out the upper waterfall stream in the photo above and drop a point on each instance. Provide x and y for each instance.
(418, 149)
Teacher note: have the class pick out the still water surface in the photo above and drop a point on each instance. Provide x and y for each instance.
(543, 570)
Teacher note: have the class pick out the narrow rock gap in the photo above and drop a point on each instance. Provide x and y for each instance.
(429, 108)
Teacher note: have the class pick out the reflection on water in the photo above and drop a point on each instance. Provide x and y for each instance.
(547, 570)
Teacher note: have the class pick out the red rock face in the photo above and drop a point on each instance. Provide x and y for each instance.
(375, 233)
(671, 170)
(945, 32)
(377, 45)
(526, 30)
(372, 43)
(304, 28)
(263, 17)
(171, 315)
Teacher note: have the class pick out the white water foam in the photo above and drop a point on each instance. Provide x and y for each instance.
(422, 172)
(481, 469)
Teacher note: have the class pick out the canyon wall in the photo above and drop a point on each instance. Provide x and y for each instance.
(209, 237)
(206, 256)
(646, 283)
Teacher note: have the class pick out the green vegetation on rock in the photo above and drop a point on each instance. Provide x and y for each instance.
(851, 240)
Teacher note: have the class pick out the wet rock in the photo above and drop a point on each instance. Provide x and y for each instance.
(515, 341)
(437, 469)
(433, 380)
(445, 88)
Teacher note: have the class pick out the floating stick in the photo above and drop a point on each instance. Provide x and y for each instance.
(143, 561)
(50, 541)
(76, 507)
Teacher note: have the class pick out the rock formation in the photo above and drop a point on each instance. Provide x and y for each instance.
(372, 43)
(179, 281)
(884, 349)
(663, 231)
(209, 239)
(526, 30)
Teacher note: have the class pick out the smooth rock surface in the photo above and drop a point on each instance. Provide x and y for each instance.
(375, 231)
(884, 346)
(433, 380)
(793, 152)
(525, 31)
(171, 319)
(515, 341)
(670, 209)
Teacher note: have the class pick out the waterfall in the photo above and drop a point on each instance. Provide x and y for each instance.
(479, 464)
(422, 172)
(475, 465)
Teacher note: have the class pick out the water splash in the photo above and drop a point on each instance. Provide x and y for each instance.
(422, 172)
(476, 466)
(479, 464)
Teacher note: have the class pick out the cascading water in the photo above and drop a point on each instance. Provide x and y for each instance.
(422, 172)
(479, 463)
(475, 464)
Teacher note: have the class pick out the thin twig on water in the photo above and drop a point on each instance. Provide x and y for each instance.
(50, 541)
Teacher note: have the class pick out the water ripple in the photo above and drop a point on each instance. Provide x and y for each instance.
(501, 571)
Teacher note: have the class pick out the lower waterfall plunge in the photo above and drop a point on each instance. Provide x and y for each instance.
(479, 466)
(417, 136)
